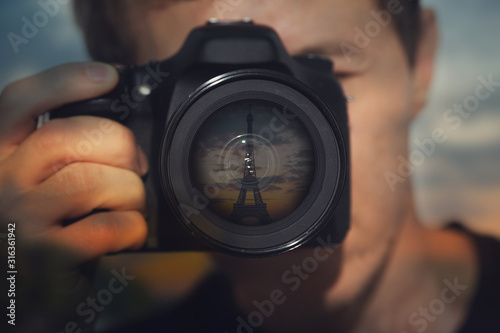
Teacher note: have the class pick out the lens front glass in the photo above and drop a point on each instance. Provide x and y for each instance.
(254, 162)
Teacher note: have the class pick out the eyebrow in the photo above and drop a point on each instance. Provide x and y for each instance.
(334, 49)
(359, 62)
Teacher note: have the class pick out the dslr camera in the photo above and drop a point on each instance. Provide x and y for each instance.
(248, 147)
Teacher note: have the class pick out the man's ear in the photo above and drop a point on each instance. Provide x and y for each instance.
(424, 61)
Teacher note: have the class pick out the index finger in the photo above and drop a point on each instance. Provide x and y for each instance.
(23, 101)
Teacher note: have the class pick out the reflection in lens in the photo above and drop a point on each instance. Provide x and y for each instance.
(254, 162)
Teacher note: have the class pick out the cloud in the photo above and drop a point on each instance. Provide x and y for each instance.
(297, 179)
(282, 140)
(295, 171)
(273, 180)
(304, 154)
(299, 189)
(271, 188)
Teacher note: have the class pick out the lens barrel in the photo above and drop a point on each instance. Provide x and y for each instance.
(252, 163)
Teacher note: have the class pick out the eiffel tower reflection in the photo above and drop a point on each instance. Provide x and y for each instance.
(256, 213)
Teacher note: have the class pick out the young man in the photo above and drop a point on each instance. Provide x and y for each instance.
(389, 275)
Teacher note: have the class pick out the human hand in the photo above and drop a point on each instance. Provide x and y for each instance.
(43, 182)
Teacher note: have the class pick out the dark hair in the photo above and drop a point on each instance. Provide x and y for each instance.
(105, 28)
(407, 24)
(104, 25)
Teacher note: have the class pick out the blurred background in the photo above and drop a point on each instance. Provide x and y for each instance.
(459, 181)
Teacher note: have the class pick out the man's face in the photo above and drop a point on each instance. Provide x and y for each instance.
(379, 79)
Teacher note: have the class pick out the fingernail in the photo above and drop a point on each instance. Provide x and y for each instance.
(143, 161)
(98, 72)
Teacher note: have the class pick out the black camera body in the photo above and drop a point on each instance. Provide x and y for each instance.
(248, 147)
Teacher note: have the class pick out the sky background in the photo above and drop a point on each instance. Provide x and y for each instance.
(461, 180)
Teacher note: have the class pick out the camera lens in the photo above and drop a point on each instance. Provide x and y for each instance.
(254, 162)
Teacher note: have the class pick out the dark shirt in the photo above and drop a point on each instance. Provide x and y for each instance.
(484, 314)
(211, 309)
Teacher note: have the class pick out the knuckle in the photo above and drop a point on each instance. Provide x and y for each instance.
(81, 180)
(51, 136)
(139, 190)
(102, 231)
(135, 227)
(108, 234)
(126, 146)
(140, 228)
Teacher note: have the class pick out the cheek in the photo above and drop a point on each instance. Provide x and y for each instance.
(378, 122)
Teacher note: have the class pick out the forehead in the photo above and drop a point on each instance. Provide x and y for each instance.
(313, 20)
(303, 25)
